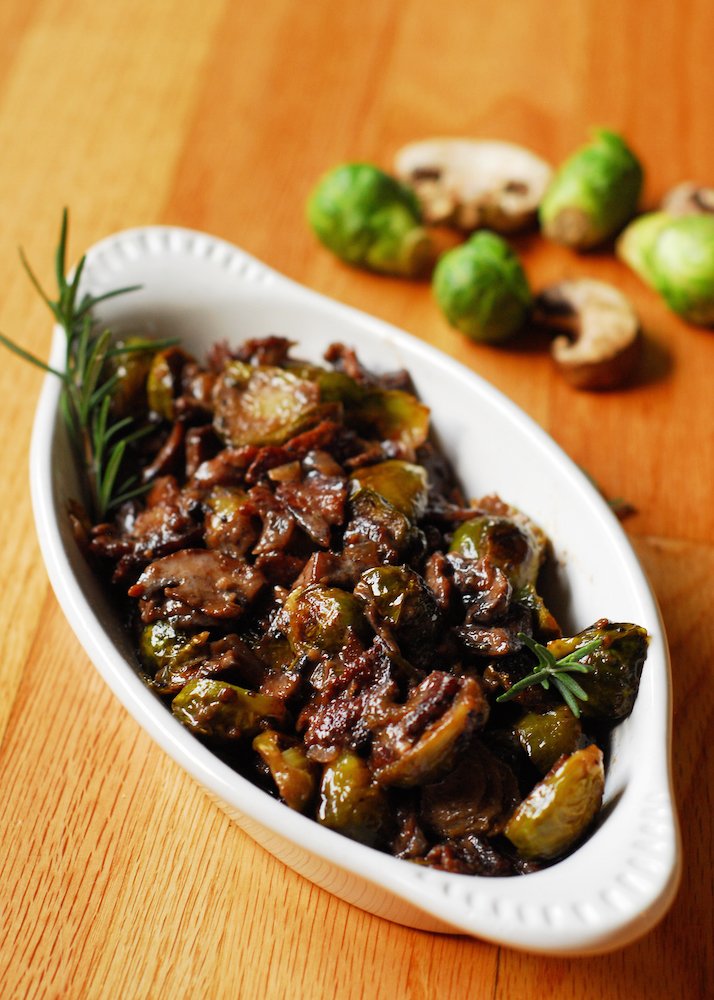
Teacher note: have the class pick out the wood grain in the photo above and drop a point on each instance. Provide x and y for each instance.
(118, 878)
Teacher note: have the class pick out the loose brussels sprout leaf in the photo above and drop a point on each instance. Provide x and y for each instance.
(547, 737)
(675, 256)
(558, 811)
(161, 380)
(262, 405)
(369, 219)
(613, 679)
(403, 484)
(546, 626)
(350, 802)
(593, 194)
(223, 711)
(482, 289)
(391, 415)
(293, 774)
(323, 618)
(512, 547)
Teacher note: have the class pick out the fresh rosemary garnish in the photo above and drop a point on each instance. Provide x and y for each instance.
(558, 671)
(89, 379)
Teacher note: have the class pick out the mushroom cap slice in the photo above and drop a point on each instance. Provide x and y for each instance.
(601, 338)
(689, 198)
(471, 184)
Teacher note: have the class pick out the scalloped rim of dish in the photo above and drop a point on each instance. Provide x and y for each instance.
(609, 892)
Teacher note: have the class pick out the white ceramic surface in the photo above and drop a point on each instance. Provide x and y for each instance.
(621, 881)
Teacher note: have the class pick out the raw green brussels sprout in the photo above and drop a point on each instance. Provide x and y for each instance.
(558, 811)
(369, 219)
(593, 194)
(509, 545)
(675, 256)
(482, 288)
(322, 618)
(350, 801)
(223, 711)
(546, 737)
(402, 484)
(615, 667)
(292, 772)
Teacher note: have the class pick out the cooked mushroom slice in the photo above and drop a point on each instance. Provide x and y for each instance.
(601, 338)
(469, 184)
(689, 198)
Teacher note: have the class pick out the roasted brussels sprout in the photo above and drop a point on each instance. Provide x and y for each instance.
(403, 484)
(369, 219)
(294, 775)
(323, 618)
(675, 256)
(482, 288)
(558, 811)
(350, 801)
(593, 194)
(131, 365)
(511, 546)
(223, 711)
(391, 415)
(548, 736)
(545, 624)
(161, 645)
(615, 667)
(162, 380)
(399, 598)
(374, 519)
(262, 404)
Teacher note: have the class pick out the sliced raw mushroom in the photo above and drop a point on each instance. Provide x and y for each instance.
(689, 198)
(471, 184)
(601, 337)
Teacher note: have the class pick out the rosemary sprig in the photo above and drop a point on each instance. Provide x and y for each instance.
(88, 382)
(558, 671)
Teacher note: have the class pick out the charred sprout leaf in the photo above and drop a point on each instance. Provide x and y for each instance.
(223, 711)
(613, 654)
(511, 546)
(262, 404)
(350, 801)
(323, 618)
(593, 194)
(482, 289)
(560, 808)
(675, 256)
(548, 736)
(294, 775)
(369, 219)
(556, 671)
(402, 484)
(100, 440)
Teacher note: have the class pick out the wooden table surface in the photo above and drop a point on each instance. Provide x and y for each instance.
(119, 878)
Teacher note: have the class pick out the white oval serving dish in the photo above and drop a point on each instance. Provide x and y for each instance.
(622, 880)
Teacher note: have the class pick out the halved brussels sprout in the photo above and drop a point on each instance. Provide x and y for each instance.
(546, 737)
(223, 711)
(403, 484)
(350, 801)
(512, 547)
(615, 667)
(372, 518)
(322, 618)
(292, 772)
(165, 649)
(399, 598)
(263, 404)
(558, 811)
(391, 415)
